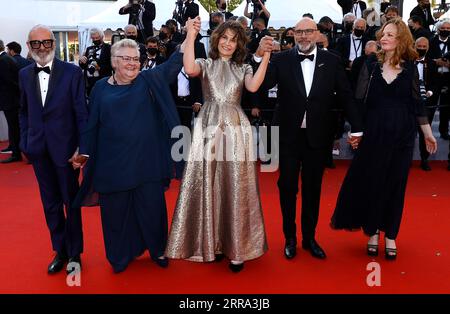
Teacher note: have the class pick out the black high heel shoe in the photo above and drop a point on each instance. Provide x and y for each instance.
(235, 268)
(372, 249)
(161, 262)
(390, 253)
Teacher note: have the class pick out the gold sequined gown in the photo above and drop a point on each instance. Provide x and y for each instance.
(218, 208)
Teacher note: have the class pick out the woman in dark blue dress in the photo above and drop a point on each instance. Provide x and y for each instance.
(127, 144)
(373, 192)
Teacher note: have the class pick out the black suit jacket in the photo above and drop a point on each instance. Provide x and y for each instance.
(343, 47)
(190, 10)
(147, 17)
(435, 50)
(9, 83)
(347, 6)
(427, 19)
(422, 32)
(329, 82)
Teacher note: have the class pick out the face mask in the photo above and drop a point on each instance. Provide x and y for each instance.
(224, 6)
(358, 32)
(162, 35)
(132, 37)
(152, 51)
(444, 34)
(421, 52)
(97, 42)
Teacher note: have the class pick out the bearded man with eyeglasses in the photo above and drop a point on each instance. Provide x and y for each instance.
(53, 113)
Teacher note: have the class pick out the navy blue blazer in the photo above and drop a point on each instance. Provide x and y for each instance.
(56, 125)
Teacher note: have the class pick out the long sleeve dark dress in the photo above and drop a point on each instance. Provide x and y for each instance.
(372, 194)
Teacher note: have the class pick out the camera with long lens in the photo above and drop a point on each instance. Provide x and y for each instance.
(92, 62)
(135, 6)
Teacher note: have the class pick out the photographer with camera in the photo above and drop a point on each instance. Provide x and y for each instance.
(258, 32)
(96, 61)
(142, 13)
(185, 9)
(259, 11)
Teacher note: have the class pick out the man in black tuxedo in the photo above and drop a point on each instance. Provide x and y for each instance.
(423, 9)
(354, 6)
(186, 9)
(142, 18)
(96, 61)
(439, 52)
(369, 49)
(415, 24)
(14, 49)
(427, 71)
(153, 54)
(352, 46)
(309, 80)
(187, 91)
(9, 101)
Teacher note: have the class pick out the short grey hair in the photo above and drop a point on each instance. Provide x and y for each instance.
(360, 20)
(124, 43)
(98, 31)
(2, 45)
(348, 16)
(442, 22)
(41, 26)
(128, 27)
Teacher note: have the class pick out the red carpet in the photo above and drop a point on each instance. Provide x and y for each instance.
(422, 265)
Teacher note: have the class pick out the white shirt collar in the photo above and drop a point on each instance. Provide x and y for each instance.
(50, 65)
(443, 40)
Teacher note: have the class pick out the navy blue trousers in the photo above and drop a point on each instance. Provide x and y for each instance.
(134, 221)
(58, 186)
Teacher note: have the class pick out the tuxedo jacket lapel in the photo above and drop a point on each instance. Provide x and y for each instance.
(319, 71)
(297, 69)
(55, 76)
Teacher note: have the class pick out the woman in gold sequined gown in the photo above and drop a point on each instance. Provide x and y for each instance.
(218, 211)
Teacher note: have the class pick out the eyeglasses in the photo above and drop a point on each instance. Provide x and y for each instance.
(36, 44)
(309, 31)
(128, 58)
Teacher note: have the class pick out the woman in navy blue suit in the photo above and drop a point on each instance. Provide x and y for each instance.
(127, 145)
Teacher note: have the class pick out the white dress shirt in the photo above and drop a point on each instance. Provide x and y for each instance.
(355, 47)
(356, 10)
(308, 75)
(183, 84)
(43, 81)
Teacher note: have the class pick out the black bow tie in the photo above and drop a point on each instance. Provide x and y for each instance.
(39, 69)
(442, 42)
(356, 38)
(420, 61)
(303, 57)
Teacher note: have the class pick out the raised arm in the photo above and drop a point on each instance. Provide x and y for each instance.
(190, 67)
(253, 82)
(246, 14)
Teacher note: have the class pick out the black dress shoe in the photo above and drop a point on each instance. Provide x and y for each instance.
(7, 150)
(161, 262)
(314, 248)
(290, 248)
(219, 257)
(235, 268)
(11, 159)
(57, 264)
(425, 166)
(70, 265)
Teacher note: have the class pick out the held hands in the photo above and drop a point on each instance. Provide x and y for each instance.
(78, 161)
(196, 107)
(193, 27)
(431, 143)
(265, 47)
(354, 141)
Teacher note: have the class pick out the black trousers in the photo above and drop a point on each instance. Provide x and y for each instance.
(184, 108)
(58, 186)
(296, 159)
(12, 118)
(444, 103)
